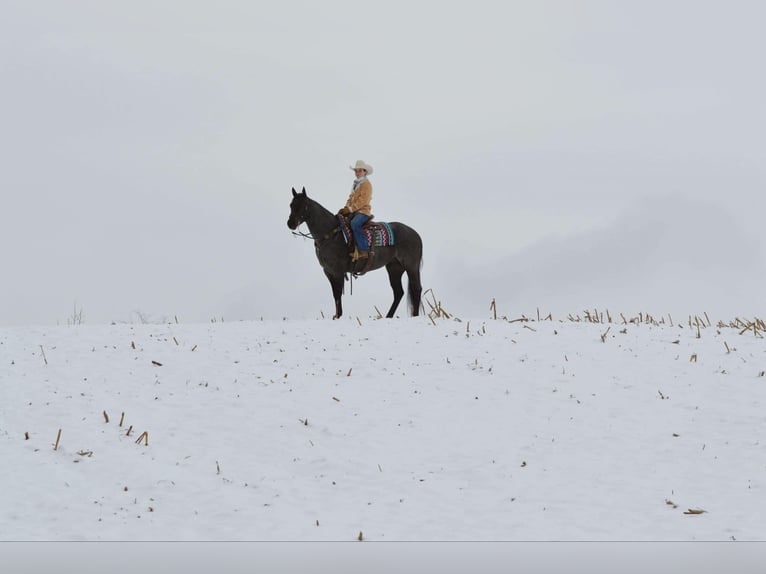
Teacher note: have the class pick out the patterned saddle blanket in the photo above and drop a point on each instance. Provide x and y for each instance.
(379, 233)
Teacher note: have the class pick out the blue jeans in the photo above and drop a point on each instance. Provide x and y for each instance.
(357, 221)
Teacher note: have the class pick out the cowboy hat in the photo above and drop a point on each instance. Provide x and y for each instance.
(361, 165)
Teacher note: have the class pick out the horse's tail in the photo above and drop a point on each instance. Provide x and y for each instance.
(415, 288)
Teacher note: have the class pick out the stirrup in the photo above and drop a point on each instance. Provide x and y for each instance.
(356, 255)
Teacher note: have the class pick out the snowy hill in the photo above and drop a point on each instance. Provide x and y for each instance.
(405, 429)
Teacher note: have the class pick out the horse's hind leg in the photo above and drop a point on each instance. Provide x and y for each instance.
(395, 272)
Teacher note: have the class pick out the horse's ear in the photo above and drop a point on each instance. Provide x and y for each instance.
(304, 191)
(294, 192)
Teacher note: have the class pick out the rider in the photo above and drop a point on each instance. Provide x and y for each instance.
(358, 205)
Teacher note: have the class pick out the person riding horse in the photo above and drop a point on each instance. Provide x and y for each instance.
(401, 253)
(358, 207)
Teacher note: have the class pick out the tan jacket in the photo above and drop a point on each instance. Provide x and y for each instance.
(359, 199)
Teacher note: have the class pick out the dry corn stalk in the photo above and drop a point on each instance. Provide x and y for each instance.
(437, 311)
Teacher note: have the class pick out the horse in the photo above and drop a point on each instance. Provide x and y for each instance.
(405, 255)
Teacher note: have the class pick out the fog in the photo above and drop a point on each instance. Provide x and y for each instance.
(551, 154)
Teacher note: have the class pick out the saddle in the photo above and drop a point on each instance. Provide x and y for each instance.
(379, 233)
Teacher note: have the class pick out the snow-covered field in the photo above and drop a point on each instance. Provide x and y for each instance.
(388, 430)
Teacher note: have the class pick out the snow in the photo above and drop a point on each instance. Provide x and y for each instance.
(398, 430)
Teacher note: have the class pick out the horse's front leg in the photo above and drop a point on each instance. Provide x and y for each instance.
(336, 282)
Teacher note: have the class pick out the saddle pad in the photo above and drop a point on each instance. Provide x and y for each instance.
(379, 233)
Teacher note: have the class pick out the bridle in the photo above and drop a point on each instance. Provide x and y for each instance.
(318, 242)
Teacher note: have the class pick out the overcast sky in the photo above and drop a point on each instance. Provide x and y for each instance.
(555, 154)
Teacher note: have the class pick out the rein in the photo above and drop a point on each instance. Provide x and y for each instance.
(318, 242)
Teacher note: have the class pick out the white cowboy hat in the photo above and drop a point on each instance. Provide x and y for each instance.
(361, 165)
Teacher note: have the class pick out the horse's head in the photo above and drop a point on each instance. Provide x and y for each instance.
(298, 209)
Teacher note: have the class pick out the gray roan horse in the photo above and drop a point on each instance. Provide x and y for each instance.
(405, 255)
